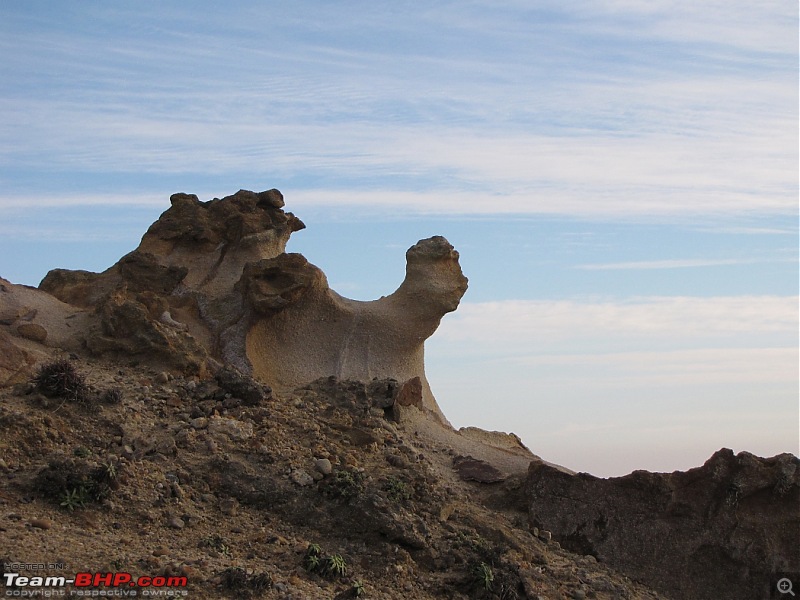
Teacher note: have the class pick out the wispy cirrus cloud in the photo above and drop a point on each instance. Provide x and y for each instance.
(689, 263)
(576, 114)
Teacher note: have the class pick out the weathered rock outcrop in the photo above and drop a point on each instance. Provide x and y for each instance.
(303, 330)
(211, 283)
(718, 531)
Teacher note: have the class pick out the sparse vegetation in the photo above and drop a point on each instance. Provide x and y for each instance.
(75, 498)
(75, 483)
(346, 484)
(217, 543)
(397, 490)
(484, 576)
(335, 566)
(313, 558)
(244, 584)
(112, 396)
(60, 379)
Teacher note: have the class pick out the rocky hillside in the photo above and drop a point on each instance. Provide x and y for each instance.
(229, 485)
(209, 410)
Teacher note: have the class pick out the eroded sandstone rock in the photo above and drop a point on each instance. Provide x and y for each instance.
(211, 283)
(15, 363)
(303, 330)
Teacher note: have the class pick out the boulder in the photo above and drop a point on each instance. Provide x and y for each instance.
(473, 469)
(32, 331)
(16, 364)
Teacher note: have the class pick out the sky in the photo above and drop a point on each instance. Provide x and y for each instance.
(620, 178)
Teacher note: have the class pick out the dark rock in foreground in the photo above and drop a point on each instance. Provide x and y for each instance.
(717, 531)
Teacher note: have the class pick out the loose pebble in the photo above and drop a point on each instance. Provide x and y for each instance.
(41, 523)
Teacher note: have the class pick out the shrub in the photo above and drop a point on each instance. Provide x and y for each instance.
(59, 379)
(346, 484)
(397, 490)
(75, 483)
(236, 579)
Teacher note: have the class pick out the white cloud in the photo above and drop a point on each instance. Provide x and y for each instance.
(612, 386)
(540, 327)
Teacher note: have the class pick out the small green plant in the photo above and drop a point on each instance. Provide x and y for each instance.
(397, 490)
(358, 588)
(217, 543)
(109, 470)
(332, 566)
(484, 576)
(345, 484)
(59, 379)
(82, 452)
(118, 564)
(75, 498)
(335, 566)
(313, 558)
(75, 483)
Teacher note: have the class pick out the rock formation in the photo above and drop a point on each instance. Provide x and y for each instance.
(211, 283)
(718, 531)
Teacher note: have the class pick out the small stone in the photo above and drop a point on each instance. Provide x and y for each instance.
(162, 378)
(545, 535)
(190, 572)
(160, 552)
(301, 478)
(446, 511)
(32, 331)
(234, 429)
(177, 491)
(578, 594)
(199, 423)
(41, 523)
(324, 466)
(410, 393)
(176, 523)
(228, 506)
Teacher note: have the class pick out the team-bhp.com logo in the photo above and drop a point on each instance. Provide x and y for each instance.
(89, 584)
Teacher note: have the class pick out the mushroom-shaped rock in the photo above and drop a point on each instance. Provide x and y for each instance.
(302, 330)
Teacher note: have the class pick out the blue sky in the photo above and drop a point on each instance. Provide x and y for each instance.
(620, 177)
